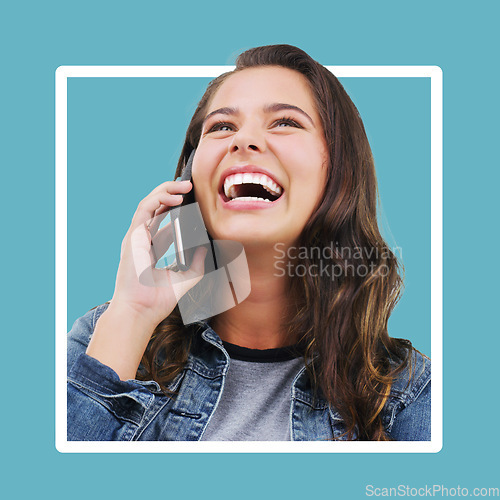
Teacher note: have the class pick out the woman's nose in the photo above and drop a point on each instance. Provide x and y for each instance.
(247, 140)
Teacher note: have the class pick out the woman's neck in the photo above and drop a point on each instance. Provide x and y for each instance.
(258, 321)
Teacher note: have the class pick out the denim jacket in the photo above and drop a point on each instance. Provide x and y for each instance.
(101, 407)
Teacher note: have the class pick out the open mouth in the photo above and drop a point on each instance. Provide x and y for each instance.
(251, 187)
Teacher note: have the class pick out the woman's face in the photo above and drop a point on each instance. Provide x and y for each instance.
(262, 139)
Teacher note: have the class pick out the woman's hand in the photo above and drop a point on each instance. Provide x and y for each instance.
(154, 302)
(124, 329)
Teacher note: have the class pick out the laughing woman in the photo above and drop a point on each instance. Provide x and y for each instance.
(283, 166)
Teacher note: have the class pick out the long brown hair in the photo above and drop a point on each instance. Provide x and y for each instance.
(340, 315)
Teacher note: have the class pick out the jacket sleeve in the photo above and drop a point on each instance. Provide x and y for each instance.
(100, 406)
(413, 422)
(411, 415)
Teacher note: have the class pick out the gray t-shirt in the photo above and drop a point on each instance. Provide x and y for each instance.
(256, 398)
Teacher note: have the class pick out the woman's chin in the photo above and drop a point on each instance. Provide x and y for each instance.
(248, 237)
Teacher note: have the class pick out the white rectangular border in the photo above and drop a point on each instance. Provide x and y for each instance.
(433, 446)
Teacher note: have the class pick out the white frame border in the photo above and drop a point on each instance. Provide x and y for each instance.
(433, 446)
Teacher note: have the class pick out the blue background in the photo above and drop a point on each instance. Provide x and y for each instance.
(37, 37)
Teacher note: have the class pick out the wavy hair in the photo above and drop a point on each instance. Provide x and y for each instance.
(350, 357)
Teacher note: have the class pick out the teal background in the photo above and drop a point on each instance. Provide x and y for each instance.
(37, 37)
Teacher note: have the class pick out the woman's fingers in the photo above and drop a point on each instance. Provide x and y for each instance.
(166, 195)
(154, 224)
(182, 281)
(148, 207)
(149, 211)
(141, 250)
(161, 241)
(197, 268)
(146, 242)
(173, 187)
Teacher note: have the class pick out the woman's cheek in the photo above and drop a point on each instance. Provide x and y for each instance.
(210, 149)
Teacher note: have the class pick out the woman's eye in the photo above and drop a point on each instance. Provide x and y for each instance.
(221, 127)
(287, 122)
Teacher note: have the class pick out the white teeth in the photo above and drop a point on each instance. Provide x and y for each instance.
(250, 198)
(248, 178)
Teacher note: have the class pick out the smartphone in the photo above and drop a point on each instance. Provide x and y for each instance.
(189, 230)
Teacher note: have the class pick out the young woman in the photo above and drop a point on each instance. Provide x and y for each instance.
(283, 166)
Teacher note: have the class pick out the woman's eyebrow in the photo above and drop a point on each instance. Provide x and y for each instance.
(279, 106)
(222, 111)
(269, 108)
